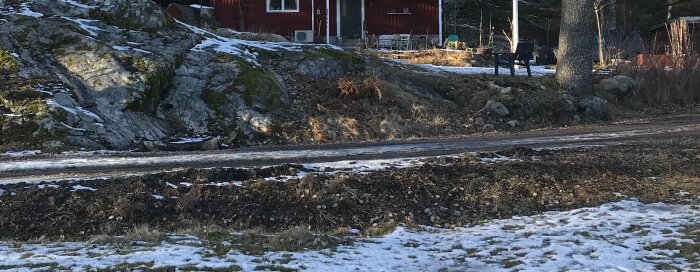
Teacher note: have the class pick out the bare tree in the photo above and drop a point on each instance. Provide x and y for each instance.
(575, 63)
(599, 7)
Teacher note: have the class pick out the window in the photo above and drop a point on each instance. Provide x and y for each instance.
(282, 5)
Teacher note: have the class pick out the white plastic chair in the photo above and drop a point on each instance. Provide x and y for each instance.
(404, 42)
(385, 41)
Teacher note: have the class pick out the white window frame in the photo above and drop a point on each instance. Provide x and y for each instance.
(267, 7)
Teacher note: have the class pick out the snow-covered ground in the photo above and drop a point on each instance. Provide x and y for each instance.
(242, 48)
(620, 236)
(520, 71)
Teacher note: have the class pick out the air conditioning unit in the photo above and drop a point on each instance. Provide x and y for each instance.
(304, 36)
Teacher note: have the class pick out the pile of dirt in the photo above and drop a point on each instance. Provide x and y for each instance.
(444, 192)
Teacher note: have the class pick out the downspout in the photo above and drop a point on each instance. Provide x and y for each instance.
(313, 16)
(440, 21)
(328, 22)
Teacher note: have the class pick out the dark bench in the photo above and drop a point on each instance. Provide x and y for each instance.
(522, 56)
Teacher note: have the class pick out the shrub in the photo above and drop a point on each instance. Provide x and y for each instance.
(660, 84)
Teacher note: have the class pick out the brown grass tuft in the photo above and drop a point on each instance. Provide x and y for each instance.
(348, 87)
(370, 86)
(315, 130)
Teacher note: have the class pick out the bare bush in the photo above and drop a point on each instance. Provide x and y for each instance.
(660, 84)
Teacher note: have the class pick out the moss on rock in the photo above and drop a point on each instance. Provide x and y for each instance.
(8, 63)
(157, 77)
(259, 88)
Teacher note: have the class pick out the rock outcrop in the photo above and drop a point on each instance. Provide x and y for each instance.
(123, 72)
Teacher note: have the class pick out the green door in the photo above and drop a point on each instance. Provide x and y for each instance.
(351, 19)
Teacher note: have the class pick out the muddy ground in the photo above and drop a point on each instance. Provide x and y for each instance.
(444, 192)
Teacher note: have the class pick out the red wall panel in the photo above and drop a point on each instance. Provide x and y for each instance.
(251, 15)
(423, 17)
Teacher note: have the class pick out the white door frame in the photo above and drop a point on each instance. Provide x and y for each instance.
(362, 22)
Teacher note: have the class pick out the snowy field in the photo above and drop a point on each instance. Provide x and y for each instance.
(622, 236)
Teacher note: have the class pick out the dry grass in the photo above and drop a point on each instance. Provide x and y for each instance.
(432, 56)
(370, 86)
(142, 233)
(658, 84)
(315, 130)
(349, 126)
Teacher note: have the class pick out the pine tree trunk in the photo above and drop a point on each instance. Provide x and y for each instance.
(575, 60)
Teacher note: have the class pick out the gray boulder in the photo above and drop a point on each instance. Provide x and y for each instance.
(593, 107)
(143, 15)
(618, 85)
(496, 108)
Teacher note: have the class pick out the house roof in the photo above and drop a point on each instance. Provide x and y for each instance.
(690, 19)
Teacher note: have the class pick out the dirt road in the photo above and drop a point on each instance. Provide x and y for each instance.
(113, 164)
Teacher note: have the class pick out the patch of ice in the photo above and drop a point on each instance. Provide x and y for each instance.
(15, 55)
(42, 186)
(158, 197)
(171, 185)
(82, 188)
(19, 154)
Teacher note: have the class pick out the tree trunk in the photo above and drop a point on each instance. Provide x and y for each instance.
(601, 33)
(575, 60)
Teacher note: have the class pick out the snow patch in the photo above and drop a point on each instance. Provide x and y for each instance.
(536, 70)
(74, 111)
(190, 140)
(84, 24)
(128, 48)
(76, 4)
(20, 154)
(240, 48)
(26, 11)
(612, 237)
(82, 188)
(495, 159)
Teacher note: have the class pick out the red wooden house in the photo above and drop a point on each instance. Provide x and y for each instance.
(332, 19)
